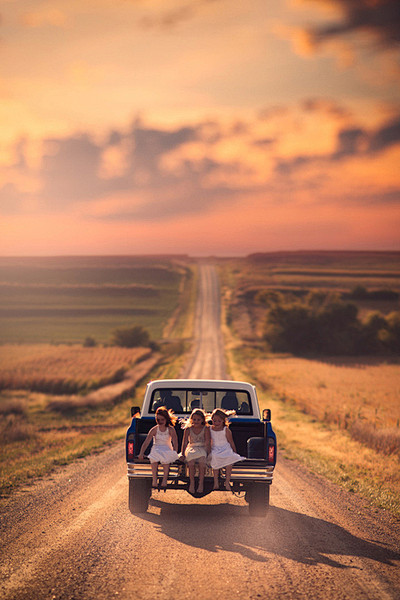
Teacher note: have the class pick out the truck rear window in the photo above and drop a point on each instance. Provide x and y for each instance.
(184, 401)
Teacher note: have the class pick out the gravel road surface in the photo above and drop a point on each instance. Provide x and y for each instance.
(207, 360)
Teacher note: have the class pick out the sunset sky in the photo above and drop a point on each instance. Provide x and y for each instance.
(199, 126)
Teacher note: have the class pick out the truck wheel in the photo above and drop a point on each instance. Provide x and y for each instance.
(258, 499)
(139, 495)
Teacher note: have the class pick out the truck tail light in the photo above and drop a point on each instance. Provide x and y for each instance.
(130, 449)
(271, 453)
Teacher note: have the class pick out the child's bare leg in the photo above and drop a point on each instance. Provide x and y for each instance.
(228, 473)
(154, 469)
(165, 475)
(191, 476)
(216, 481)
(202, 469)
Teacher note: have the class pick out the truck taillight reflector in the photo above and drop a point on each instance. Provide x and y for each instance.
(130, 448)
(271, 454)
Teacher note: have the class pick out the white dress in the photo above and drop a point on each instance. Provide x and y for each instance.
(222, 454)
(196, 448)
(162, 450)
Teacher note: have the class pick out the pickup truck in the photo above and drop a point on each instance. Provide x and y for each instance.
(252, 434)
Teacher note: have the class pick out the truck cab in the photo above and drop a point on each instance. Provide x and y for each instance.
(252, 433)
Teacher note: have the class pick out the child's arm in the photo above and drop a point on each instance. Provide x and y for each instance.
(185, 441)
(147, 441)
(207, 438)
(174, 438)
(229, 437)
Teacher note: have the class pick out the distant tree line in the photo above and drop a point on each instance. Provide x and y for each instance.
(323, 323)
(361, 293)
(131, 337)
(127, 337)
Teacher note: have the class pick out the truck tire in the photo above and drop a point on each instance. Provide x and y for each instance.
(258, 499)
(139, 495)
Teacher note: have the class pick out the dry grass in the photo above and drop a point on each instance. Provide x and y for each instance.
(64, 368)
(13, 429)
(34, 440)
(322, 447)
(361, 397)
(39, 431)
(35, 455)
(12, 406)
(334, 454)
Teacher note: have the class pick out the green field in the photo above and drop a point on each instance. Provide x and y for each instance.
(326, 270)
(66, 299)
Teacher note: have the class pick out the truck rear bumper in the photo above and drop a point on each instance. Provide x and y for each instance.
(249, 470)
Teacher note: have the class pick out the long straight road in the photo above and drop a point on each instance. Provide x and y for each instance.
(207, 360)
(71, 536)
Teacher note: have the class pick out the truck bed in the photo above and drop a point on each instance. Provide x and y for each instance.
(242, 430)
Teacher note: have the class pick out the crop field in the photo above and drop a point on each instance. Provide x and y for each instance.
(338, 270)
(38, 430)
(339, 418)
(64, 369)
(65, 300)
(359, 396)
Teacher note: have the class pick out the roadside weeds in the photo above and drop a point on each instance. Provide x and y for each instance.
(322, 447)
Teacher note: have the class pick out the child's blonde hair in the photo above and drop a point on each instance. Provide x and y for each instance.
(197, 411)
(222, 414)
(167, 414)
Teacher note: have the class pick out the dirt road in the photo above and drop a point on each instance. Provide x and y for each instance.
(71, 536)
(207, 360)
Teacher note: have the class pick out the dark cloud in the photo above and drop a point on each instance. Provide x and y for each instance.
(185, 191)
(79, 169)
(264, 142)
(150, 144)
(288, 166)
(71, 167)
(380, 17)
(388, 197)
(72, 171)
(357, 141)
(115, 138)
(325, 105)
(209, 132)
(386, 136)
(391, 196)
(349, 143)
